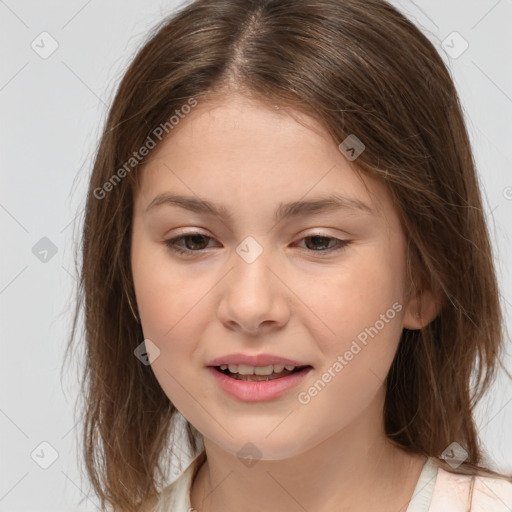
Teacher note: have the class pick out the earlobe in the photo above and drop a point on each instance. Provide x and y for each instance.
(421, 309)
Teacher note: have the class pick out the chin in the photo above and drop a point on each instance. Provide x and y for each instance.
(258, 447)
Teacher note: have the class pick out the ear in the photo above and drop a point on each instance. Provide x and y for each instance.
(421, 308)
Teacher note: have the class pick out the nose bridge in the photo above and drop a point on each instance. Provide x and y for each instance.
(252, 293)
(252, 268)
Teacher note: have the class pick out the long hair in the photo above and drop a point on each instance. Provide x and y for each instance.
(358, 67)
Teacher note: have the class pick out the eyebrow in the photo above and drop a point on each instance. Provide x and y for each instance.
(331, 202)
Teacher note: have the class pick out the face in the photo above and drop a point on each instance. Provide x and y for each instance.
(323, 287)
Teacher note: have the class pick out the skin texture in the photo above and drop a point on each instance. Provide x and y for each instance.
(292, 301)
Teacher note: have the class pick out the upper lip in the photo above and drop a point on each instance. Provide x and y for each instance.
(255, 360)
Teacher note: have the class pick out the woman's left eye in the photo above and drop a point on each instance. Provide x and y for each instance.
(323, 240)
(319, 242)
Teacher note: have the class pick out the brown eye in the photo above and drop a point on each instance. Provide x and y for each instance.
(194, 242)
(191, 243)
(318, 242)
(323, 244)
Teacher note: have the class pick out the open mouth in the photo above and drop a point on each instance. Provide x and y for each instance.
(254, 377)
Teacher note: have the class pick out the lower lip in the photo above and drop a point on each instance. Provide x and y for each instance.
(258, 391)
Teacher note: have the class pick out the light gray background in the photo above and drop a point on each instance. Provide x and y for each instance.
(51, 113)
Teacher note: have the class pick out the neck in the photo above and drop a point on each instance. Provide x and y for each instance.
(356, 469)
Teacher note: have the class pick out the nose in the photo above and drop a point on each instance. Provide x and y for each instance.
(254, 297)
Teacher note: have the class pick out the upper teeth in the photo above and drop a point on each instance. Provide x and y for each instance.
(244, 369)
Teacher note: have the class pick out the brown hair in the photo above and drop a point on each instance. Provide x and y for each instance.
(358, 67)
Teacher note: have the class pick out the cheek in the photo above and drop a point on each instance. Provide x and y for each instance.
(165, 295)
(356, 294)
(172, 305)
(361, 304)
(163, 304)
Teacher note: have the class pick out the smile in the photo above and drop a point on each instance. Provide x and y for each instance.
(250, 386)
(258, 373)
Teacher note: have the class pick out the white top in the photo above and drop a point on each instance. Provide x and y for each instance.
(437, 490)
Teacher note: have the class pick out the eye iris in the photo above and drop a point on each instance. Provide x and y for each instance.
(315, 247)
(196, 242)
(194, 238)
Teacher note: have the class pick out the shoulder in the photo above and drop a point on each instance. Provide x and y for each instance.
(490, 494)
(176, 495)
(463, 493)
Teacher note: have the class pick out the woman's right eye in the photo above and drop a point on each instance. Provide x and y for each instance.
(197, 240)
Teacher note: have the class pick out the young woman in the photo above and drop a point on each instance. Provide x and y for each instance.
(285, 244)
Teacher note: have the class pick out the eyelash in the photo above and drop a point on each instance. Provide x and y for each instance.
(189, 253)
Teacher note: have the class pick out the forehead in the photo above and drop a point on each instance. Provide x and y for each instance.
(245, 151)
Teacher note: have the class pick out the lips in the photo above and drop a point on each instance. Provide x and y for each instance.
(258, 390)
(255, 360)
(254, 377)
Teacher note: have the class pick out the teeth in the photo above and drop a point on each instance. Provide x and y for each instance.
(244, 369)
